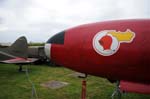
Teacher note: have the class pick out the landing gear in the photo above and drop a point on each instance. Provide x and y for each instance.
(21, 68)
(117, 92)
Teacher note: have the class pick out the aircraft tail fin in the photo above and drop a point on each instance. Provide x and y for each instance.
(19, 48)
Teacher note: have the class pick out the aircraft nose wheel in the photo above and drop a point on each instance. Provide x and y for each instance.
(117, 92)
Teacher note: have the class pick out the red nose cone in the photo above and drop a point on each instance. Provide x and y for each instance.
(106, 42)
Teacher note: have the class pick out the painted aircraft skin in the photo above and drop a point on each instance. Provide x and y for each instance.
(117, 50)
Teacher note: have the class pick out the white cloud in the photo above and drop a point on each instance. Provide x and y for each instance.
(40, 19)
(2, 28)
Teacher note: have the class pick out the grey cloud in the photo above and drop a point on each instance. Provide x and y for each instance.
(40, 19)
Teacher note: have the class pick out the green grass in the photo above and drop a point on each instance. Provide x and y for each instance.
(14, 85)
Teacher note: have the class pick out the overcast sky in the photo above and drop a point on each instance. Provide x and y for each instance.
(40, 19)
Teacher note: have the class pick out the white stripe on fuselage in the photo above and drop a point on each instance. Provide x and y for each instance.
(48, 50)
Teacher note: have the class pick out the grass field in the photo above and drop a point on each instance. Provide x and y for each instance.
(14, 85)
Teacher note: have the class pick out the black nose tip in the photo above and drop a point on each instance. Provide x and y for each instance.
(57, 39)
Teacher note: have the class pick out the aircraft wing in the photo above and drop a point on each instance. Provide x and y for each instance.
(19, 60)
(135, 87)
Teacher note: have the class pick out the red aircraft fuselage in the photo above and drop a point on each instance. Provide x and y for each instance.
(118, 50)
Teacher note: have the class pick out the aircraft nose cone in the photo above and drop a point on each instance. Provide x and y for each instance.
(57, 39)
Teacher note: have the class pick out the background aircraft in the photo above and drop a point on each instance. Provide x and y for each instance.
(17, 53)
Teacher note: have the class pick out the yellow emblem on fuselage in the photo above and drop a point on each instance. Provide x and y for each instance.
(126, 36)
